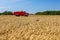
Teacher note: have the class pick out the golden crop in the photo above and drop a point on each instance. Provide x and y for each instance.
(33, 27)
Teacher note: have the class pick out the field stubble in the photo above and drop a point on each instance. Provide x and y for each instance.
(33, 27)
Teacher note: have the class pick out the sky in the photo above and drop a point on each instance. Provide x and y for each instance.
(31, 6)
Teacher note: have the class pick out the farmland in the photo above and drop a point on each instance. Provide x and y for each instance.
(33, 27)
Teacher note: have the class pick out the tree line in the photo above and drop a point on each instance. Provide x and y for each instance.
(6, 13)
(37, 13)
(48, 13)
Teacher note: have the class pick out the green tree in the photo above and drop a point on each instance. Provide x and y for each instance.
(7, 13)
(48, 13)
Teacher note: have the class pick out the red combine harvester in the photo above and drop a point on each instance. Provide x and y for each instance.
(21, 13)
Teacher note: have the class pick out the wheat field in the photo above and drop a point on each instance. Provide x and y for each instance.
(33, 27)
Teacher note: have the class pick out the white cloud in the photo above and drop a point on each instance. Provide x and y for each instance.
(13, 1)
(9, 1)
(2, 7)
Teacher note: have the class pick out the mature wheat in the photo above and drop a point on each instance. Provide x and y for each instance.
(33, 27)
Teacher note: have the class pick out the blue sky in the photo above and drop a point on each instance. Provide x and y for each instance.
(30, 6)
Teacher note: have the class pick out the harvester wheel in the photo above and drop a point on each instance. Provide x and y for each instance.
(17, 15)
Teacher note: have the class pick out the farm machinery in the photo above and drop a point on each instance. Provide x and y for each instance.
(21, 13)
